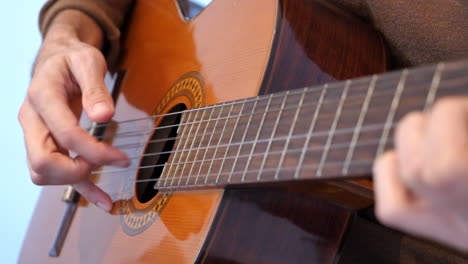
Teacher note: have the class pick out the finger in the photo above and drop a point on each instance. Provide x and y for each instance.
(94, 194)
(48, 164)
(446, 154)
(54, 108)
(409, 143)
(89, 68)
(398, 208)
(393, 200)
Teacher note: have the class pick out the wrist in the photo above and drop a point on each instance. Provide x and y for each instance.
(71, 26)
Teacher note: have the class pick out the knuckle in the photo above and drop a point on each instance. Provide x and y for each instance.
(96, 94)
(39, 179)
(40, 165)
(86, 54)
(81, 177)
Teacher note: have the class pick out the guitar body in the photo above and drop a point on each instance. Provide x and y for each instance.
(232, 50)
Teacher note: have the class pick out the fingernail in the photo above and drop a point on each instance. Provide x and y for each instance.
(121, 163)
(103, 206)
(100, 108)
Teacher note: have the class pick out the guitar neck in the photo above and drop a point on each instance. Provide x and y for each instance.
(327, 132)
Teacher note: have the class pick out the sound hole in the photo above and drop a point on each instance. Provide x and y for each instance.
(157, 153)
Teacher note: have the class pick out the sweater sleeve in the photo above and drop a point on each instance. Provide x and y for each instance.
(108, 14)
(417, 31)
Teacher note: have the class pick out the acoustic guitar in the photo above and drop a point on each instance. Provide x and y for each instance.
(252, 128)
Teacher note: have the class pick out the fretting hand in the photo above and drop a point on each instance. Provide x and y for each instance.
(422, 186)
(68, 76)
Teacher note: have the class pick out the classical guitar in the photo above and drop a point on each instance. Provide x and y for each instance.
(252, 129)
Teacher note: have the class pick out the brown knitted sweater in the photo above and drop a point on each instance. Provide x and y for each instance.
(417, 31)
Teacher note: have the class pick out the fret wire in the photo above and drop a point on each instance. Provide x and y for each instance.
(200, 144)
(373, 127)
(392, 112)
(360, 121)
(229, 145)
(333, 128)
(364, 162)
(278, 152)
(432, 94)
(169, 171)
(216, 149)
(298, 136)
(185, 144)
(287, 168)
(169, 152)
(209, 143)
(230, 142)
(434, 85)
(234, 102)
(316, 134)
(272, 135)
(256, 136)
(145, 132)
(311, 129)
(309, 89)
(238, 101)
(288, 139)
(193, 143)
(242, 140)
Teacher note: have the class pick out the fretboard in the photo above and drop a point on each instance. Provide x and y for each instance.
(326, 132)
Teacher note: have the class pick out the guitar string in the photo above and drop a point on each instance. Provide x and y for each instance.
(283, 168)
(133, 145)
(262, 140)
(219, 173)
(148, 131)
(292, 107)
(244, 100)
(339, 131)
(289, 151)
(219, 184)
(346, 131)
(343, 131)
(206, 176)
(258, 98)
(314, 88)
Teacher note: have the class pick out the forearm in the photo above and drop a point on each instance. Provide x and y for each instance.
(107, 14)
(67, 28)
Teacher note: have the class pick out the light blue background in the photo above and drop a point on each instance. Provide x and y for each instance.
(19, 42)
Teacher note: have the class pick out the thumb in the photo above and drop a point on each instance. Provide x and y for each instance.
(89, 69)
